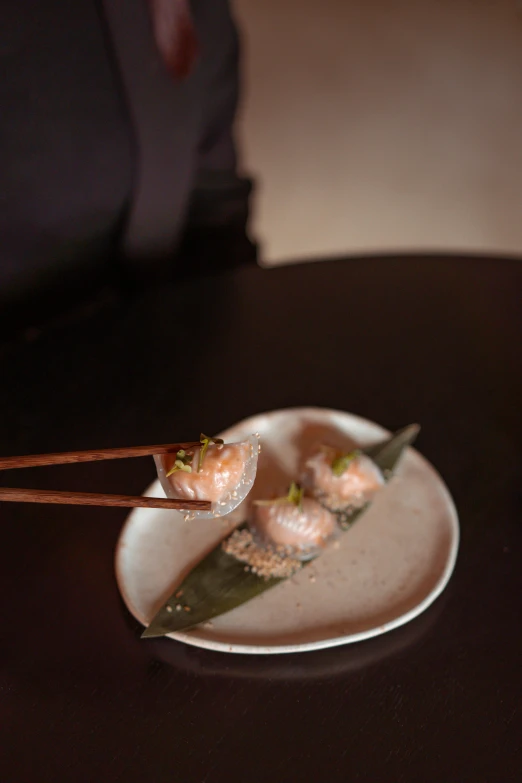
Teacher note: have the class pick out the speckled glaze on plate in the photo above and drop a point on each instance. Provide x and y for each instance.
(388, 568)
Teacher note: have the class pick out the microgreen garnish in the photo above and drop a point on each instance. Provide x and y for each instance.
(342, 463)
(295, 496)
(182, 462)
(205, 443)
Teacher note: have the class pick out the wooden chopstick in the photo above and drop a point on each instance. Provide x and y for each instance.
(35, 460)
(93, 499)
(16, 495)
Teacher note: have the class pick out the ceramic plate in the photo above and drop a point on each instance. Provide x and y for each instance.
(388, 568)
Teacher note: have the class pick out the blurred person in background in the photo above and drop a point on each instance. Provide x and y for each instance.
(117, 157)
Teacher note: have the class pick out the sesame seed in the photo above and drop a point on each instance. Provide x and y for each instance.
(266, 563)
(178, 607)
(186, 608)
(168, 608)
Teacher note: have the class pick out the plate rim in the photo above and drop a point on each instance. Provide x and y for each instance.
(319, 644)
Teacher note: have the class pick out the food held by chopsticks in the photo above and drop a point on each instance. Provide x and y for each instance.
(222, 473)
(204, 479)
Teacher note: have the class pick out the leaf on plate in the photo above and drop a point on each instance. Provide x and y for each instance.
(220, 582)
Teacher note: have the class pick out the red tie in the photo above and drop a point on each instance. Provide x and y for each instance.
(175, 35)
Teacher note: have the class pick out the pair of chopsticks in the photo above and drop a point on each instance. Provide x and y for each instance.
(89, 498)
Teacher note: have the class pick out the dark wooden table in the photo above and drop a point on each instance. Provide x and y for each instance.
(395, 340)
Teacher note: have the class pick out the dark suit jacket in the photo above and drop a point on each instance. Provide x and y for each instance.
(100, 148)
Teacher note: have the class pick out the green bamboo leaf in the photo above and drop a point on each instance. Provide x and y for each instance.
(220, 582)
(216, 585)
(387, 454)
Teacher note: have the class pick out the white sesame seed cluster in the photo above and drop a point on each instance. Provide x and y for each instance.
(265, 562)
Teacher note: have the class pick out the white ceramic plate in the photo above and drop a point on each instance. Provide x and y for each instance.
(388, 568)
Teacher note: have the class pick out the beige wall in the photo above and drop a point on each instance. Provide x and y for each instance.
(383, 126)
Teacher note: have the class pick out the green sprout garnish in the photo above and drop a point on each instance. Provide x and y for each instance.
(342, 463)
(295, 495)
(205, 443)
(182, 462)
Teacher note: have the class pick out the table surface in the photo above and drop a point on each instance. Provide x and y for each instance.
(82, 698)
